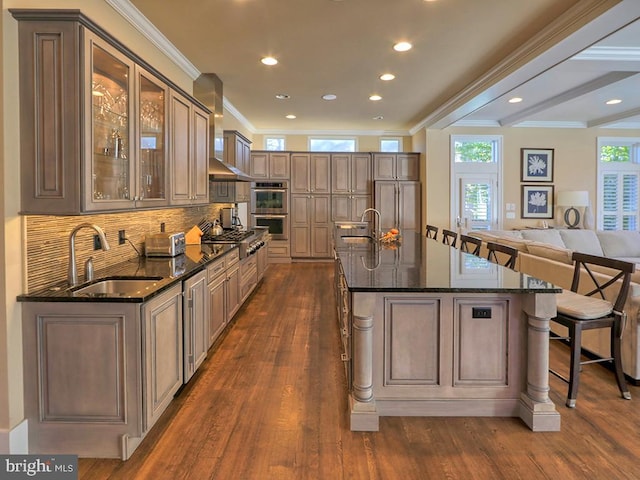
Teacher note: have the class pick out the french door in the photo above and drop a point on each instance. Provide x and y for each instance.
(476, 201)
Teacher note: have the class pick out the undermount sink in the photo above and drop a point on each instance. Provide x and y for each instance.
(351, 225)
(357, 239)
(120, 287)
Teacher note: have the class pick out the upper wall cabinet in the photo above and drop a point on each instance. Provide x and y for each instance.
(95, 120)
(396, 166)
(274, 165)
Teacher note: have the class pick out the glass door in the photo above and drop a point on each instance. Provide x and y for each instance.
(476, 202)
(110, 116)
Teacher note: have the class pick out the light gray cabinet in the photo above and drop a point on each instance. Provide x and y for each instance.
(396, 166)
(310, 173)
(270, 165)
(162, 352)
(248, 276)
(196, 323)
(349, 208)
(311, 226)
(189, 152)
(237, 152)
(351, 174)
(232, 264)
(217, 285)
(399, 204)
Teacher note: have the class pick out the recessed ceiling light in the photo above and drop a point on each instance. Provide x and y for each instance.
(329, 96)
(614, 101)
(290, 117)
(378, 117)
(515, 100)
(269, 61)
(402, 46)
(282, 96)
(387, 76)
(375, 98)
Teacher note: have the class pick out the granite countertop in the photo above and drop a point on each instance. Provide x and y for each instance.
(419, 264)
(169, 270)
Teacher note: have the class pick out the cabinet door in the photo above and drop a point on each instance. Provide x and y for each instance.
(359, 203)
(233, 291)
(409, 213)
(151, 140)
(300, 172)
(407, 166)
(109, 169)
(279, 165)
(361, 174)
(180, 149)
(300, 214)
(341, 173)
(259, 165)
(196, 324)
(320, 173)
(386, 202)
(162, 352)
(321, 226)
(341, 208)
(217, 306)
(200, 157)
(384, 166)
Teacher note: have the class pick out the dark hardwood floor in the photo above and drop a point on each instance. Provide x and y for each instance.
(270, 403)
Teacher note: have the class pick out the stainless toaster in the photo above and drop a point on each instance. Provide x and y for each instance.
(164, 244)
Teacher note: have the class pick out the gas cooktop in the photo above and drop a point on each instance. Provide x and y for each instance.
(228, 236)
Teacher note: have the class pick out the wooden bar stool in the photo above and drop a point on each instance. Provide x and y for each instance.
(587, 312)
(432, 232)
(510, 252)
(470, 244)
(449, 237)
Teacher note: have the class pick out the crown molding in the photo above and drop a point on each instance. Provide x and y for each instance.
(130, 13)
(614, 54)
(339, 133)
(230, 108)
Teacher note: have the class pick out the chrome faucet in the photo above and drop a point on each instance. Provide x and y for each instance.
(72, 276)
(375, 231)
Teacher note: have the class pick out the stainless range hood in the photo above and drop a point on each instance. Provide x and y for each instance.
(207, 88)
(223, 172)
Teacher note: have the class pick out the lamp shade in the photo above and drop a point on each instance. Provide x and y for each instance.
(579, 198)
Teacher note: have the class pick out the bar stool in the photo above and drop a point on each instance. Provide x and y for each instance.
(449, 237)
(512, 254)
(587, 312)
(432, 232)
(469, 244)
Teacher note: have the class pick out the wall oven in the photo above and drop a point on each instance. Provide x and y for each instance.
(278, 224)
(270, 197)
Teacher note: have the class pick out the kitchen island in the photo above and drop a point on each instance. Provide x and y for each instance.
(430, 331)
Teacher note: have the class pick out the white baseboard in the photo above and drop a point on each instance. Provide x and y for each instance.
(16, 440)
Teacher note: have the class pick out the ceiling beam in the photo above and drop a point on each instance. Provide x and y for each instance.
(599, 122)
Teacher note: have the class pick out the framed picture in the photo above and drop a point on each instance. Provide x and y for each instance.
(537, 164)
(537, 201)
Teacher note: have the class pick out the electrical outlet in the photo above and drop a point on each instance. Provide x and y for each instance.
(162, 227)
(481, 312)
(121, 237)
(97, 245)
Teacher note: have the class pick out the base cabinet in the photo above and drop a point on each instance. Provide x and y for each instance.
(232, 263)
(217, 285)
(196, 323)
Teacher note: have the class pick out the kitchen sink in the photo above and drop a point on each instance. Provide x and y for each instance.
(351, 225)
(119, 287)
(356, 239)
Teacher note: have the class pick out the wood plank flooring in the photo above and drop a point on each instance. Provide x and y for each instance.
(270, 403)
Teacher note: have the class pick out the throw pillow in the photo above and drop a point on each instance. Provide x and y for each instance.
(620, 243)
(584, 241)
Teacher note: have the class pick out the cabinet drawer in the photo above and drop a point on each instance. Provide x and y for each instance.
(232, 258)
(279, 250)
(216, 269)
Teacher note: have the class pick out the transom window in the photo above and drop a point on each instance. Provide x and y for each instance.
(274, 143)
(618, 183)
(332, 144)
(390, 144)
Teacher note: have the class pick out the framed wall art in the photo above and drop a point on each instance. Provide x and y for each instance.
(537, 164)
(537, 201)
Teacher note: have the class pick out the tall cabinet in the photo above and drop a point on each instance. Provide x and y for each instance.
(96, 123)
(351, 185)
(397, 190)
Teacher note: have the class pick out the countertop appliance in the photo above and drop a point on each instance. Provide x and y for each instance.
(164, 244)
(249, 241)
(229, 218)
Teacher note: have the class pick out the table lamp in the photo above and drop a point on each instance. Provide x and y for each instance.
(572, 200)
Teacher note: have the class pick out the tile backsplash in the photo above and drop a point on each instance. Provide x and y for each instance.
(48, 239)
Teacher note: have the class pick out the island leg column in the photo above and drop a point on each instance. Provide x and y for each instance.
(364, 416)
(536, 409)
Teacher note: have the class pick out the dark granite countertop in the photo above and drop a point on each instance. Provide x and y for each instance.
(419, 264)
(169, 270)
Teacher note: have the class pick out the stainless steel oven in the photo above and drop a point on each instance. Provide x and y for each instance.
(278, 224)
(270, 197)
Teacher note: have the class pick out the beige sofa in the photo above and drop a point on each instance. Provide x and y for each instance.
(546, 254)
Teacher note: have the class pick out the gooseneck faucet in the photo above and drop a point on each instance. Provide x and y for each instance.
(72, 276)
(375, 231)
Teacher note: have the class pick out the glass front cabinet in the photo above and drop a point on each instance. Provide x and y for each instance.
(95, 121)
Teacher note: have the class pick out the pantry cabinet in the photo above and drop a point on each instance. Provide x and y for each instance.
(399, 204)
(95, 123)
(396, 166)
(311, 226)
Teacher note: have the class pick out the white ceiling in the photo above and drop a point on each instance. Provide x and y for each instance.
(565, 58)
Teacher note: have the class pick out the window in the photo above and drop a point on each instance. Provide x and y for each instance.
(274, 143)
(475, 172)
(332, 144)
(390, 144)
(618, 183)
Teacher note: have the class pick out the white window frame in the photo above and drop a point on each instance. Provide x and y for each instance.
(391, 139)
(476, 168)
(333, 137)
(633, 167)
(275, 137)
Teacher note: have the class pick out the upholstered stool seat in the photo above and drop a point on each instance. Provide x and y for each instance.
(582, 307)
